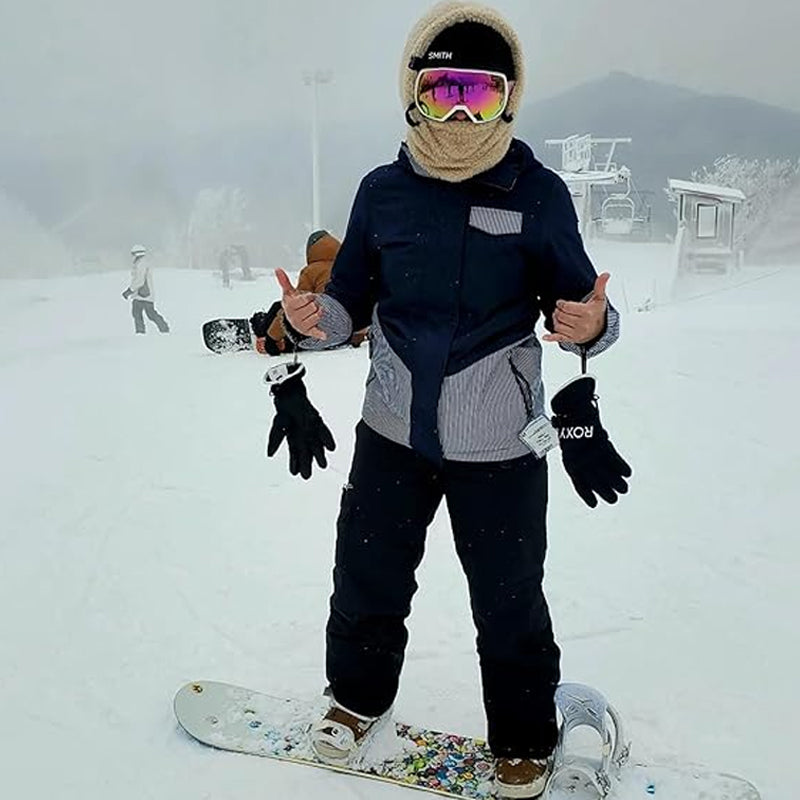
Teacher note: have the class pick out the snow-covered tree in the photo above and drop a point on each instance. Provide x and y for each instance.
(28, 249)
(218, 221)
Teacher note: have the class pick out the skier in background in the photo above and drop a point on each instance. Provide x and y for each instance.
(141, 292)
(452, 253)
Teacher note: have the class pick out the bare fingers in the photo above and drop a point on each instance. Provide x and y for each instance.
(306, 318)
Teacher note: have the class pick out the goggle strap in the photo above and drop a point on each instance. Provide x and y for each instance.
(409, 119)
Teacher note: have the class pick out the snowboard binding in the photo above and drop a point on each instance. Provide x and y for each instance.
(581, 707)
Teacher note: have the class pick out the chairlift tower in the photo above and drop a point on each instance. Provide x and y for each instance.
(581, 171)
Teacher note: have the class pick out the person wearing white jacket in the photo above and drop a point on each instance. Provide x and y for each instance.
(142, 293)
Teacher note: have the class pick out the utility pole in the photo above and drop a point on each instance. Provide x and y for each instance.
(314, 79)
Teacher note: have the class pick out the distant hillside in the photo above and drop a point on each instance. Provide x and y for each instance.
(98, 199)
(674, 130)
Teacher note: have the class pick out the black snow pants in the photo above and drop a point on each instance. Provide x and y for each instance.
(497, 512)
(140, 307)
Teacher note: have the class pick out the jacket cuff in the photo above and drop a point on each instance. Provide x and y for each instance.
(336, 323)
(600, 343)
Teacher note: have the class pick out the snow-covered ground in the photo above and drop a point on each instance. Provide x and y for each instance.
(146, 541)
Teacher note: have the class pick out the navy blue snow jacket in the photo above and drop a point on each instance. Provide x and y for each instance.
(458, 270)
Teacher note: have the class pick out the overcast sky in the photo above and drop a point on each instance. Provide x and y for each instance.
(115, 69)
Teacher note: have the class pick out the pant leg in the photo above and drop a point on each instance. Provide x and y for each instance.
(498, 514)
(389, 502)
(137, 309)
(154, 316)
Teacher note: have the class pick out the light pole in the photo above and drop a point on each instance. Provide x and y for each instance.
(314, 79)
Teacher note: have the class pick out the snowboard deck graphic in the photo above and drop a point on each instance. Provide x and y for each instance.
(228, 335)
(240, 720)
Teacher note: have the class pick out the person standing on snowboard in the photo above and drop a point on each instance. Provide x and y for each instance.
(452, 253)
(141, 292)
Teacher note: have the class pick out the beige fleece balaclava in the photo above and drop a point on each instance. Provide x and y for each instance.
(454, 150)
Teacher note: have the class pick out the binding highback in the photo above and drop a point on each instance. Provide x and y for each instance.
(583, 706)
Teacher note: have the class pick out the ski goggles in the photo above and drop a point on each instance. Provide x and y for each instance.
(481, 95)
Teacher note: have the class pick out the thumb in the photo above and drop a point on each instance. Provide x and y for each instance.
(600, 284)
(284, 282)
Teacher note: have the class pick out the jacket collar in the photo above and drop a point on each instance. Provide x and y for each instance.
(503, 176)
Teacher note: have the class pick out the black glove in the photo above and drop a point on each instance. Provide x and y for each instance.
(296, 420)
(589, 457)
(260, 322)
(127, 293)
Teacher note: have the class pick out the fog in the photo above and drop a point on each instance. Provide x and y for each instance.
(115, 115)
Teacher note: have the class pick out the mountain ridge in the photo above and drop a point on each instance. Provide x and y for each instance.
(675, 130)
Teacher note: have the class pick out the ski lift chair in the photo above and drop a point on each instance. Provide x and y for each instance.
(617, 215)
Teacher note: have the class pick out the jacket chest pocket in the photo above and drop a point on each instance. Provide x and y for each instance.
(411, 256)
(400, 258)
(495, 255)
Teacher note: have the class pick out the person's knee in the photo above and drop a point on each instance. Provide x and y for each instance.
(360, 595)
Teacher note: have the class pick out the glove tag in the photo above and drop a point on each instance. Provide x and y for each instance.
(281, 373)
(539, 436)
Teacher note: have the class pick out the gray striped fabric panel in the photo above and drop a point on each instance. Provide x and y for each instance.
(387, 402)
(483, 408)
(497, 221)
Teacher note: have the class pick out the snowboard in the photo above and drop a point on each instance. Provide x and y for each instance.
(228, 335)
(233, 718)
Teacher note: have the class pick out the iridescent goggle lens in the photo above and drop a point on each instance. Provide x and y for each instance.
(481, 95)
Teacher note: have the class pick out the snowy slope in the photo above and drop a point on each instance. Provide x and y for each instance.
(146, 541)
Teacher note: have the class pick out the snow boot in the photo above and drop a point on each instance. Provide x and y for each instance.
(342, 733)
(520, 777)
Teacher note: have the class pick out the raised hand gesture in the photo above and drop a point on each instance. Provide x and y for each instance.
(578, 323)
(302, 309)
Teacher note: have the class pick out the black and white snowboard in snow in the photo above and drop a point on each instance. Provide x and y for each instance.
(228, 335)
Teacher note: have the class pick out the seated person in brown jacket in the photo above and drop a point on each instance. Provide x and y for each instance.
(271, 327)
